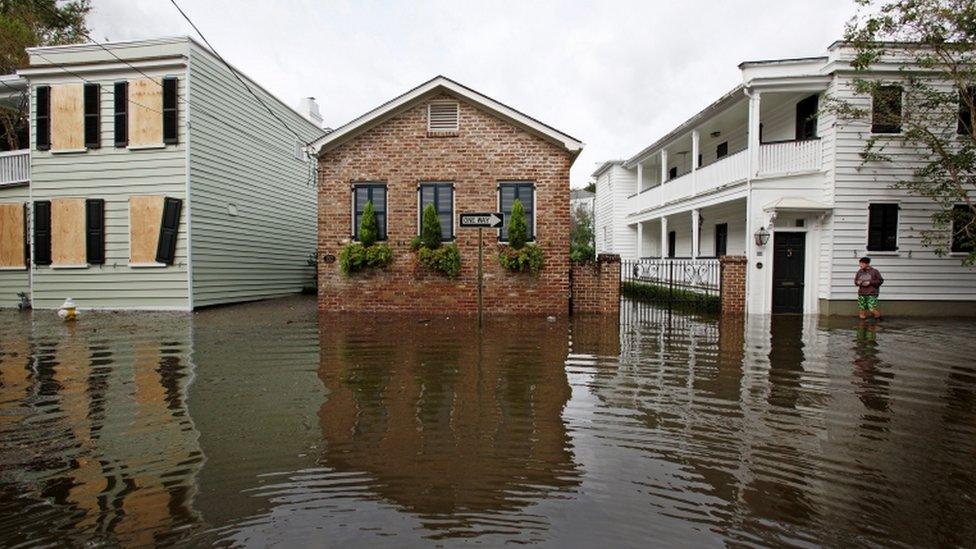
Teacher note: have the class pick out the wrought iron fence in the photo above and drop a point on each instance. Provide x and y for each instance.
(682, 282)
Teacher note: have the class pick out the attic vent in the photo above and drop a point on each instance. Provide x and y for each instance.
(442, 116)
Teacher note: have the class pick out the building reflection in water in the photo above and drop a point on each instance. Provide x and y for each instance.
(98, 444)
(459, 427)
(265, 424)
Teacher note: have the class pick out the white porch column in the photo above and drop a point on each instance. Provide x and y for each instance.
(754, 104)
(640, 237)
(695, 221)
(664, 237)
(695, 139)
(640, 184)
(664, 166)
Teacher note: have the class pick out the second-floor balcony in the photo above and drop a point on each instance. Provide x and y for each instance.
(739, 137)
(14, 167)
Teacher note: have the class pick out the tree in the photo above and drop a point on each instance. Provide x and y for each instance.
(368, 228)
(932, 42)
(581, 234)
(518, 226)
(28, 23)
(591, 186)
(430, 228)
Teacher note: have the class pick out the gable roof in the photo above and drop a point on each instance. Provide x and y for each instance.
(443, 84)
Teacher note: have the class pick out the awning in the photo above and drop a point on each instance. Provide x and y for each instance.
(796, 204)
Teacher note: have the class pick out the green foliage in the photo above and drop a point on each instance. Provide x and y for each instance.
(581, 235)
(591, 186)
(430, 228)
(430, 252)
(528, 259)
(369, 231)
(445, 259)
(356, 257)
(932, 43)
(643, 291)
(28, 23)
(518, 226)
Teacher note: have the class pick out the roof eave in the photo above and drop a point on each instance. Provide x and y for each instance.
(441, 83)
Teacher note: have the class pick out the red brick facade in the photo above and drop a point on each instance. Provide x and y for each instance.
(596, 285)
(733, 285)
(485, 151)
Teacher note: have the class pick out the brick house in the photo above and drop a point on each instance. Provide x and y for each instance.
(446, 144)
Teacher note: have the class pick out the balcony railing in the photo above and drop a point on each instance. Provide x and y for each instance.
(14, 167)
(786, 157)
(780, 158)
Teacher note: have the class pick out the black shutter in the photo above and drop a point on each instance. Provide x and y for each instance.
(170, 112)
(121, 114)
(93, 132)
(42, 116)
(672, 173)
(42, 232)
(168, 231)
(95, 231)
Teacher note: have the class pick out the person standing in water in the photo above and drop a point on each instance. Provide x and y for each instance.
(868, 281)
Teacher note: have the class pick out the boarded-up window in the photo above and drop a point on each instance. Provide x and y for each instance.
(68, 231)
(145, 219)
(145, 112)
(67, 117)
(12, 248)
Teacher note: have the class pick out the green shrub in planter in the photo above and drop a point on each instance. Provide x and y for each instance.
(356, 256)
(528, 259)
(445, 259)
(520, 256)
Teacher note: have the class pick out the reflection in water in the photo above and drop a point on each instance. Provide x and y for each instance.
(266, 425)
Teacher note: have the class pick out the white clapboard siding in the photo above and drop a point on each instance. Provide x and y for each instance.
(253, 201)
(914, 272)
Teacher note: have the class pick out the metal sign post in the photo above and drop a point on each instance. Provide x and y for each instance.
(481, 221)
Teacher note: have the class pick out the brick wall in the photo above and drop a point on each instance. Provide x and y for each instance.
(596, 285)
(485, 151)
(733, 269)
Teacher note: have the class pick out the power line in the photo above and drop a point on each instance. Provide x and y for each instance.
(238, 76)
(85, 80)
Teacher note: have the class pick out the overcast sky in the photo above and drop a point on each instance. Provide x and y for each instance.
(616, 75)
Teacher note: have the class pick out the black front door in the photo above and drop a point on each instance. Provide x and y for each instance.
(788, 254)
(672, 243)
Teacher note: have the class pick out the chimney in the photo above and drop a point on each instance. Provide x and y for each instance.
(310, 110)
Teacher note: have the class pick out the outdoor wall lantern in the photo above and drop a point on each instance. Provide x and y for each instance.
(762, 236)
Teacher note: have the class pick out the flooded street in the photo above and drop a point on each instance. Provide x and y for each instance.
(265, 424)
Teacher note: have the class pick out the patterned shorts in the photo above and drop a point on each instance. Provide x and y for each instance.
(867, 302)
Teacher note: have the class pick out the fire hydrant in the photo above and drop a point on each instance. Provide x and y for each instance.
(68, 310)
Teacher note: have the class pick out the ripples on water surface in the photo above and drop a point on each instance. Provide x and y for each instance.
(262, 424)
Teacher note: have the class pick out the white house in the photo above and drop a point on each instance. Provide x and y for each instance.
(766, 163)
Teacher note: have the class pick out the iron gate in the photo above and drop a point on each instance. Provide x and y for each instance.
(673, 282)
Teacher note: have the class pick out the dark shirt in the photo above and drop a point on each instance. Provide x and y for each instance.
(872, 277)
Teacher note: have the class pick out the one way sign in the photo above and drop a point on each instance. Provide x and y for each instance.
(481, 220)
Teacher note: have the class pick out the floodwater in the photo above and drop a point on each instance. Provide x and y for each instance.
(264, 425)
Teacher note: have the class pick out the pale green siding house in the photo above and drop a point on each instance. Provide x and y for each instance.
(158, 181)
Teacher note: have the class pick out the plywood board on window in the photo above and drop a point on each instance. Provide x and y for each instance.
(145, 218)
(67, 117)
(68, 231)
(145, 112)
(12, 236)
